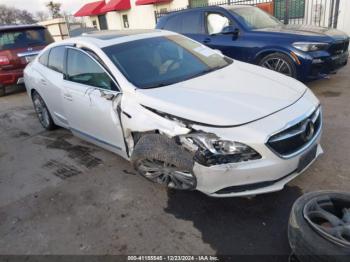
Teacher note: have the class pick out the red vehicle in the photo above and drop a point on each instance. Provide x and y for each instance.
(19, 44)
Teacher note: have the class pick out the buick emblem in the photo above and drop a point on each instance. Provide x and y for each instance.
(308, 130)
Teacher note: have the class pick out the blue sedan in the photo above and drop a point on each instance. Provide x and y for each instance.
(249, 34)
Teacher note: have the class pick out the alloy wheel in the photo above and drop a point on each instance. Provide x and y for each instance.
(278, 65)
(330, 217)
(42, 112)
(166, 174)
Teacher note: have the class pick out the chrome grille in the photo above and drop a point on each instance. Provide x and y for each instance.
(339, 47)
(297, 137)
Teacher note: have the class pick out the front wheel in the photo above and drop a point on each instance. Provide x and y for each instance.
(42, 112)
(161, 160)
(280, 63)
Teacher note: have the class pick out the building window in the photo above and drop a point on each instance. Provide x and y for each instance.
(94, 24)
(125, 21)
(296, 9)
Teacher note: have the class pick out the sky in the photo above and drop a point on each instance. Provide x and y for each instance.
(69, 6)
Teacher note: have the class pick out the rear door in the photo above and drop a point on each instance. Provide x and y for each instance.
(51, 72)
(190, 24)
(88, 103)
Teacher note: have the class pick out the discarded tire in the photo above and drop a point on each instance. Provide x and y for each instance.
(319, 227)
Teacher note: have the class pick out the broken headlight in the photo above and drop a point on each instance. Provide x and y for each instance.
(211, 150)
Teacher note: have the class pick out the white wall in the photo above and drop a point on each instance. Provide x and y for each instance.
(344, 16)
(57, 28)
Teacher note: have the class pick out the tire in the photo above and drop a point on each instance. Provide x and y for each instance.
(162, 154)
(286, 65)
(307, 243)
(43, 113)
(2, 91)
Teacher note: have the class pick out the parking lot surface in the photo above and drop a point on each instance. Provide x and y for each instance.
(61, 195)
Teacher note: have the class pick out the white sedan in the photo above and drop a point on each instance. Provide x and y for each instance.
(185, 115)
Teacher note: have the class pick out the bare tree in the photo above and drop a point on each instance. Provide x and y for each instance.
(55, 9)
(24, 17)
(12, 15)
(41, 15)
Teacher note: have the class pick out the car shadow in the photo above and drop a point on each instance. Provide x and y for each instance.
(238, 226)
(13, 89)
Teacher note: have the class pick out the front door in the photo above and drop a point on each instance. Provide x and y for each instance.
(229, 44)
(90, 112)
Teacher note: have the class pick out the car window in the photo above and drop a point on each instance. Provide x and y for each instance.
(160, 61)
(255, 18)
(173, 24)
(44, 58)
(56, 58)
(84, 70)
(22, 38)
(191, 23)
(216, 22)
(187, 23)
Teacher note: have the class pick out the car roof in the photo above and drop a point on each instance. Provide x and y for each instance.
(111, 34)
(111, 37)
(209, 7)
(16, 27)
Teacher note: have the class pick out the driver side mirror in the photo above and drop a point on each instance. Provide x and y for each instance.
(230, 30)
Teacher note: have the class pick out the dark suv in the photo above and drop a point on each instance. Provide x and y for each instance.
(18, 46)
(249, 34)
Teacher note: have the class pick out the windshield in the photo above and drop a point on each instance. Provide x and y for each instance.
(255, 18)
(161, 61)
(23, 38)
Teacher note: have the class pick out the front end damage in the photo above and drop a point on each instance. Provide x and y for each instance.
(218, 161)
(167, 142)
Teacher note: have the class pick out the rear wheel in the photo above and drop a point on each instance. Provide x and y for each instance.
(42, 112)
(280, 63)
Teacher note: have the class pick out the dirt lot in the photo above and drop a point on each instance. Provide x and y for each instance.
(61, 195)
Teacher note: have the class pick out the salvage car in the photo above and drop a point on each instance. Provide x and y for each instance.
(185, 115)
(19, 44)
(251, 35)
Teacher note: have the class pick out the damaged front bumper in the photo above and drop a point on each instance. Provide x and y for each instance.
(254, 177)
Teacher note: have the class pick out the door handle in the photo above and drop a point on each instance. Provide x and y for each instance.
(207, 40)
(68, 97)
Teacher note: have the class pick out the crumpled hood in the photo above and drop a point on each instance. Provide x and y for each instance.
(237, 94)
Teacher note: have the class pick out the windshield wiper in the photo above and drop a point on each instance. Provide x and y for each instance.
(183, 79)
(157, 85)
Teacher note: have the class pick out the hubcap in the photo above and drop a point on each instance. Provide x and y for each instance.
(278, 65)
(330, 217)
(166, 174)
(42, 112)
